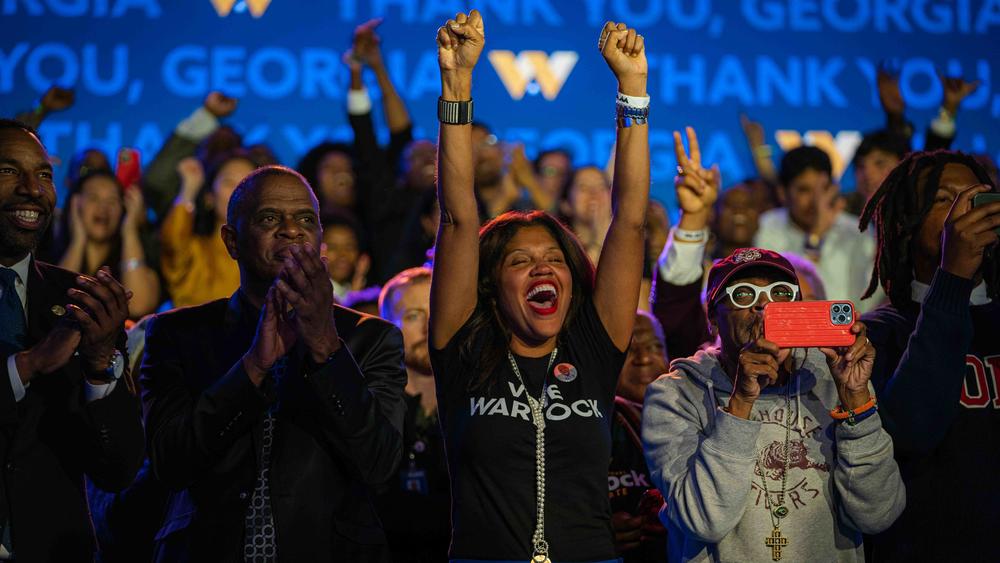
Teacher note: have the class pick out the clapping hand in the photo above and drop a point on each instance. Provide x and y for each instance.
(274, 338)
(304, 285)
(100, 307)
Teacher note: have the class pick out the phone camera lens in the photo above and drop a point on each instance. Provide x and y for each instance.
(841, 319)
(836, 308)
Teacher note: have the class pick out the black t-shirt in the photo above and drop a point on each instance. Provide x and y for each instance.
(414, 506)
(490, 443)
(628, 479)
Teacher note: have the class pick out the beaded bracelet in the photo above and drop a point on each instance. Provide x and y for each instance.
(854, 416)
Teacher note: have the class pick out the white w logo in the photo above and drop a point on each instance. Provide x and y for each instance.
(549, 72)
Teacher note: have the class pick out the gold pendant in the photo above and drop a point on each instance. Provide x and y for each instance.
(540, 558)
(776, 542)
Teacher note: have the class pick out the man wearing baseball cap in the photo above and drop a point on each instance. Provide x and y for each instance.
(766, 453)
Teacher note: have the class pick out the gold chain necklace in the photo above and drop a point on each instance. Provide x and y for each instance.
(776, 541)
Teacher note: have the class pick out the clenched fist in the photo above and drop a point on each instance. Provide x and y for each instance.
(624, 51)
(460, 42)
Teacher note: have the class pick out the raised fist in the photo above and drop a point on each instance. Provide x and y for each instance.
(460, 42)
(192, 175)
(624, 50)
(220, 105)
(889, 94)
(57, 99)
(135, 209)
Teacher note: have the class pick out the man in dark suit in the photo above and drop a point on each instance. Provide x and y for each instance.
(65, 405)
(271, 412)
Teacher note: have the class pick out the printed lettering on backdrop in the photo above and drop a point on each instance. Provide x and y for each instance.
(803, 68)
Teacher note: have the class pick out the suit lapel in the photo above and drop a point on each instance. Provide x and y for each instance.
(240, 326)
(44, 299)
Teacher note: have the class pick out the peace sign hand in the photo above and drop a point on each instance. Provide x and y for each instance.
(697, 188)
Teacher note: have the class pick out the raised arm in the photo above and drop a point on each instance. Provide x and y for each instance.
(456, 250)
(55, 99)
(679, 271)
(137, 276)
(161, 181)
(941, 130)
(759, 149)
(367, 48)
(619, 272)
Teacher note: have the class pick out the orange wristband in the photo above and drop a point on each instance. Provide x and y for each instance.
(840, 414)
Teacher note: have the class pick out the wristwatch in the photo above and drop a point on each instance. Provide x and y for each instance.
(455, 113)
(114, 369)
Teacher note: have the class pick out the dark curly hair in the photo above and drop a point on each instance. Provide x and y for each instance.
(308, 166)
(487, 325)
(898, 210)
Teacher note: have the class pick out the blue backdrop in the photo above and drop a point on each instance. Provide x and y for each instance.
(804, 68)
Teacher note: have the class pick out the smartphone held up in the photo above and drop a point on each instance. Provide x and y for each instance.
(809, 324)
(128, 169)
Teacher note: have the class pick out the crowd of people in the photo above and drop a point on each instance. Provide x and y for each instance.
(442, 350)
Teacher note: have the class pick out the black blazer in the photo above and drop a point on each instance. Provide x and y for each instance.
(338, 430)
(52, 437)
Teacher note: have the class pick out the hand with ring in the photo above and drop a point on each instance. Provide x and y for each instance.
(697, 187)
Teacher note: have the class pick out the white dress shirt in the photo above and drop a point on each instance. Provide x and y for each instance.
(91, 392)
(682, 263)
(846, 258)
(979, 295)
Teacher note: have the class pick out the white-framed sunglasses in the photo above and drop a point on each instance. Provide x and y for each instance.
(745, 295)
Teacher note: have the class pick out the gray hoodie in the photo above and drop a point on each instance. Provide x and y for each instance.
(842, 480)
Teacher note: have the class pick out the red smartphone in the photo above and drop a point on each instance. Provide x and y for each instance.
(809, 324)
(128, 169)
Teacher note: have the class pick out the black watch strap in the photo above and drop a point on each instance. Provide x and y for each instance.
(454, 113)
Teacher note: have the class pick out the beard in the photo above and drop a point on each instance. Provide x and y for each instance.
(17, 242)
(417, 358)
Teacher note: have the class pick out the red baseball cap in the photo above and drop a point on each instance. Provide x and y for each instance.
(741, 259)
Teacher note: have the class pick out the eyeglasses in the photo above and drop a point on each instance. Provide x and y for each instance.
(745, 295)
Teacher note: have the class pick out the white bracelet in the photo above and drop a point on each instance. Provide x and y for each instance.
(132, 264)
(690, 236)
(637, 102)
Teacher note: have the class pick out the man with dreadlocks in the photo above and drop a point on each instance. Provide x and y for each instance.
(937, 371)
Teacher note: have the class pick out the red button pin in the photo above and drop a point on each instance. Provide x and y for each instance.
(564, 372)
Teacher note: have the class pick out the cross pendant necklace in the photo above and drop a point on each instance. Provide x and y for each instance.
(776, 542)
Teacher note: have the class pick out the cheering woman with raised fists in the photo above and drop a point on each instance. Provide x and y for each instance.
(527, 340)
